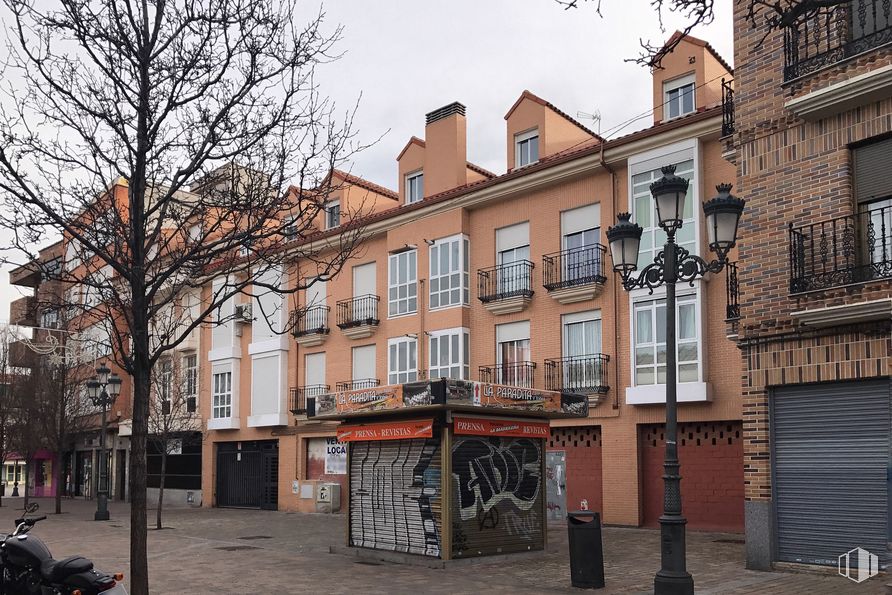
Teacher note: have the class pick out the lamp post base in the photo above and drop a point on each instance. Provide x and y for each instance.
(102, 515)
(102, 509)
(673, 583)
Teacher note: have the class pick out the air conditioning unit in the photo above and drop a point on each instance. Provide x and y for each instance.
(244, 313)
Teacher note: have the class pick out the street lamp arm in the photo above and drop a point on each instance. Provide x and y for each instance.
(692, 267)
(689, 267)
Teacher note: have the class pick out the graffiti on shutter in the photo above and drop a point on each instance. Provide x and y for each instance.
(497, 495)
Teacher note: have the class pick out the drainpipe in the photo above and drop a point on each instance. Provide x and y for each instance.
(612, 172)
(421, 335)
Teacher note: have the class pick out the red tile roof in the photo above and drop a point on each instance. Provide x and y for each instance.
(704, 44)
(533, 97)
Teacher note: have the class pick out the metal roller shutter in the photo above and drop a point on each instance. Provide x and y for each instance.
(395, 499)
(498, 495)
(831, 454)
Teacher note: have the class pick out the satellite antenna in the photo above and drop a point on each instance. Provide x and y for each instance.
(595, 117)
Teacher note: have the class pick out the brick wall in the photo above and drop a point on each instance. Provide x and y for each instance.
(584, 479)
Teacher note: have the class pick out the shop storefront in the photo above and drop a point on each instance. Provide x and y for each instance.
(447, 469)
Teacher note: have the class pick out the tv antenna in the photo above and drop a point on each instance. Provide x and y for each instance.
(594, 117)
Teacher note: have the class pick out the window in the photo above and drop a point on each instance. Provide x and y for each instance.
(190, 381)
(873, 195)
(289, 229)
(526, 148)
(414, 187)
(679, 97)
(513, 354)
(164, 386)
(582, 334)
(403, 288)
(222, 402)
(582, 261)
(450, 354)
(49, 318)
(402, 360)
(332, 214)
(650, 340)
(653, 238)
(449, 279)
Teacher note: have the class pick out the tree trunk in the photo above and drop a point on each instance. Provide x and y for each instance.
(27, 476)
(139, 567)
(59, 478)
(161, 484)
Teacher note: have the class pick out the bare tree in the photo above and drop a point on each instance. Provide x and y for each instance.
(10, 383)
(173, 413)
(768, 14)
(123, 135)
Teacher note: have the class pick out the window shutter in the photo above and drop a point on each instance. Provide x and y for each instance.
(872, 165)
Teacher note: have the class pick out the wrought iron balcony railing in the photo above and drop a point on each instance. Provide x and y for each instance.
(835, 33)
(357, 384)
(514, 374)
(505, 281)
(577, 266)
(581, 374)
(732, 290)
(310, 321)
(299, 396)
(727, 108)
(851, 249)
(358, 311)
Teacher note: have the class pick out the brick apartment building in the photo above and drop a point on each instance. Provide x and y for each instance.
(502, 278)
(812, 142)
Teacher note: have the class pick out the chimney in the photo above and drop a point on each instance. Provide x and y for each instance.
(446, 149)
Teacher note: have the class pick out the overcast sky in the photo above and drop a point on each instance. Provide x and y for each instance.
(410, 57)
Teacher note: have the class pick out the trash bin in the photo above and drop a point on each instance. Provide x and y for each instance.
(586, 553)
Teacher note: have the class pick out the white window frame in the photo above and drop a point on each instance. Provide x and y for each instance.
(674, 85)
(440, 279)
(577, 318)
(414, 191)
(189, 363)
(49, 318)
(519, 141)
(436, 369)
(394, 284)
(395, 375)
(687, 297)
(329, 208)
(221, 396)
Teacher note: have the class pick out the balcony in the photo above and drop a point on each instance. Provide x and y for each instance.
(521, 374)
(358, 316)
(298, 396)
(310, 325)
(357, 384)
(732, 291)
(21, 355)
(834, 34)
(843, 251)
(582, 375)
(575, 275)
(506, 288)
(727, 108)
(23, 311)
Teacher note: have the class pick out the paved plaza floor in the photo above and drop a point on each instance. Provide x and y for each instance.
(250, 551)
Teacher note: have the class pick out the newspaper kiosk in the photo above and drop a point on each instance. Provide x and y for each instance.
(447, 468)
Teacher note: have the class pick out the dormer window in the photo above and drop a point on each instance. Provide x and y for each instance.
(678, 97)
(332, 214)
(414, 187)
(526, 148)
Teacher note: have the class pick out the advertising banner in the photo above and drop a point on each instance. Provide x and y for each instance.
(475, 426)
(335, 457)
(396, 430)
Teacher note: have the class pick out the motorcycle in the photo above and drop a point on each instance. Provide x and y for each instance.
(26, 566)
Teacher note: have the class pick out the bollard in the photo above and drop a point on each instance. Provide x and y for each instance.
(586, 551)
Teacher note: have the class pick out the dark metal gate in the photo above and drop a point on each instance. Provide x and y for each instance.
(245, 472)
(831, 454)
(395, 501)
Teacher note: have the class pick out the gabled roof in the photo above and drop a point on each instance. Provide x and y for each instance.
(414, 140)
(703, 44)
(533, 97)
(483, 172)
(362, 183)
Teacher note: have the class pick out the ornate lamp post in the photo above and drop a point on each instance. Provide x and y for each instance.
(103, 389)
(672, 265)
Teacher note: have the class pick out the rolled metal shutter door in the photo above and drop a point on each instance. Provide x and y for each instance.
(395, 501)
(831, 454)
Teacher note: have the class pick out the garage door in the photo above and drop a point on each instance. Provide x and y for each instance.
(395, 495)
(711, 457)
(573, 471)
(831, 455)
(248, 474)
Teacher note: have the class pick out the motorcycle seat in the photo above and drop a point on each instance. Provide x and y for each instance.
(56, 571)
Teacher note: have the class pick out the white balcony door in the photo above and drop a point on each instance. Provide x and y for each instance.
(316, 295)
(364, 284)
(364, 362)
(581, 342)
(314, 370)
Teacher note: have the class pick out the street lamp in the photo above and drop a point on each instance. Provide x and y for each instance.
(672, 265)
(103, 389)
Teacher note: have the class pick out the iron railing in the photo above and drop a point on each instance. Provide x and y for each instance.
(310, 321)
(727, 108)
(830, 35)
(580, 374)
(299, 396)
(850, 249)
(514, 374)
(505, 281)
(577, 266)
(357, 384)
(732, 291)
(358, 311)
